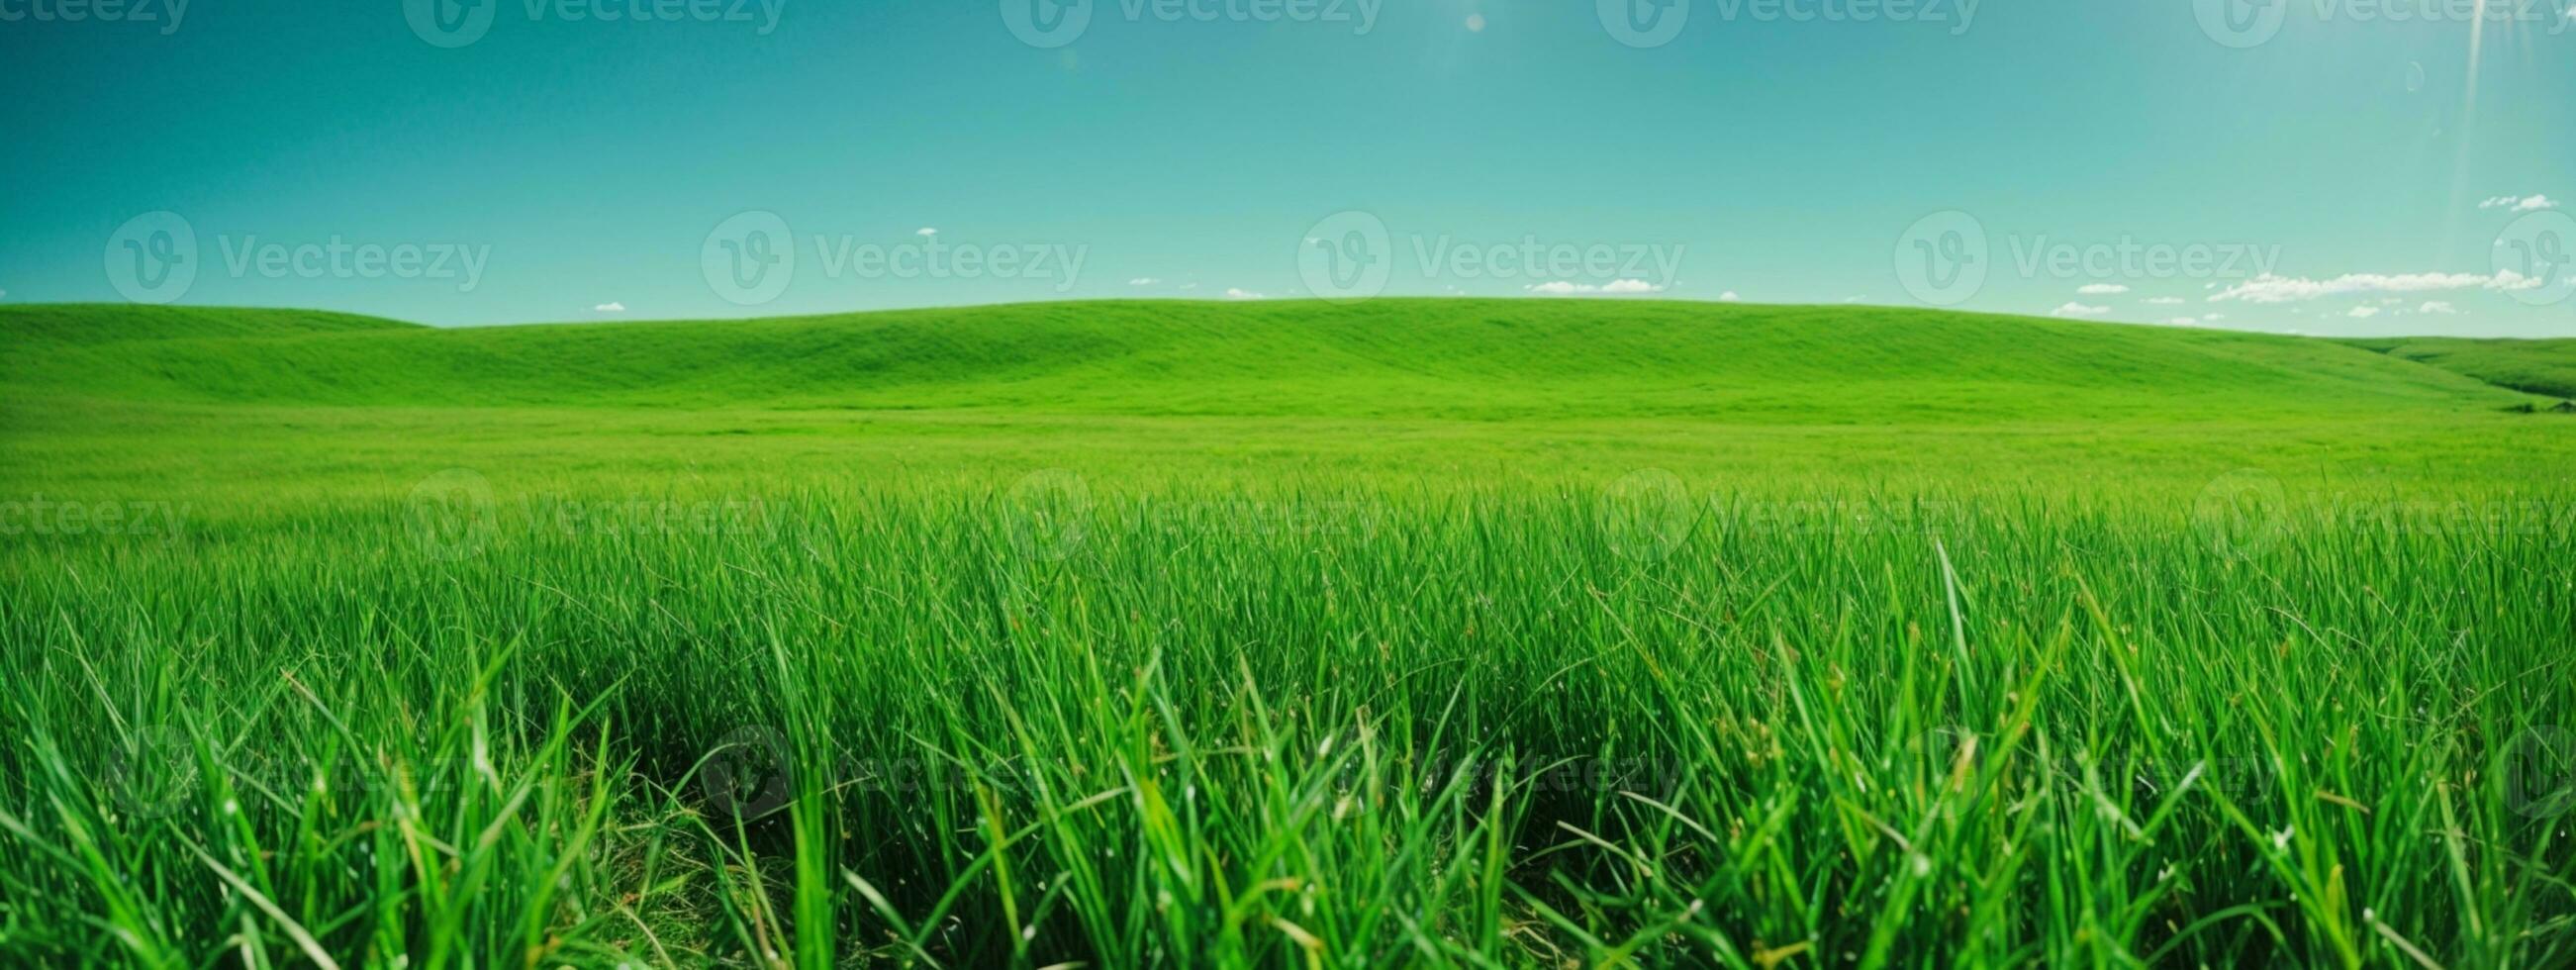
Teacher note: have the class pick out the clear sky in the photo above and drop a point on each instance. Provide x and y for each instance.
(2397, 167)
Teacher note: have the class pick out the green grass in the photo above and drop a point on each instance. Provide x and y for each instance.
(2543, 367)
(1406, 633)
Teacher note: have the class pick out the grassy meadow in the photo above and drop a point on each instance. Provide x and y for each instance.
(1400, 633)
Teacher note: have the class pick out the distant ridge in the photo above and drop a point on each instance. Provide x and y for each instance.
(95, 323)
(1464, 359)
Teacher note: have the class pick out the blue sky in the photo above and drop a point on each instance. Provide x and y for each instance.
(2393, 167)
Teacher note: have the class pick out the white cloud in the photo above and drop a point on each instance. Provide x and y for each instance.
(2363, 312)
(1729, 297)
(1613, 288)
(2167, 301)
(926, 231)
(609, 307)
(2530, 203)
(2213, 316)
(2079, 310)
(2102, 289)
(1240, 294)
(1143, 281)
(2437, 307)
(2271, 288)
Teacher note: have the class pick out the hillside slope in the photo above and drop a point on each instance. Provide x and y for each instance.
(1477, 359)
(2545, 367)
(29, 327)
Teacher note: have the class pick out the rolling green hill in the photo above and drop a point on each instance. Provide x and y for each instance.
(1784, 399)
(2545, 367)
(53, 325)
(1413, 358)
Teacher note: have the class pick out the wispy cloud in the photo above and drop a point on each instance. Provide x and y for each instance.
(2437, 307)
(2270, 288)
(2072, 309)
(2525, 203)
(2102, 289)
(1232, 293)
(1612, 288)
(1143, 281)
(2167, 301)
(609, 307)
(1729, 297)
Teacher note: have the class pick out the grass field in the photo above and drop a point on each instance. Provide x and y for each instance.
(2545, 367)
(1499, 633)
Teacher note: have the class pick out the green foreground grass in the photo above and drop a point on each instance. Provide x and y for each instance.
(1412, 633)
